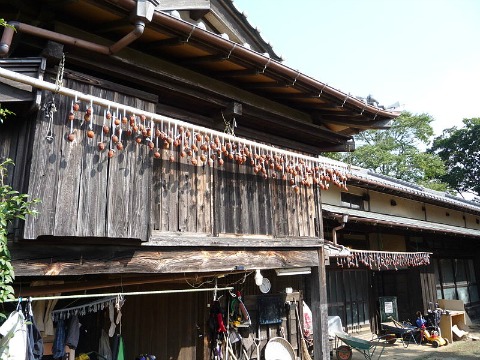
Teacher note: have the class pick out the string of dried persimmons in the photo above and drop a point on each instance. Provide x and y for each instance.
(383, 259)
(202, 148)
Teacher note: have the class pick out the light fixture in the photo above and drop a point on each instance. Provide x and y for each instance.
(293, 271)
(258, 277)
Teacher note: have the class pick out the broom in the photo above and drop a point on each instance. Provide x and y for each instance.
(305, 354)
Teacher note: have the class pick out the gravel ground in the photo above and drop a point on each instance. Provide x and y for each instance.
(461, 350)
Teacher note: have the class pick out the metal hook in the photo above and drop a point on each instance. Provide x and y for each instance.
(191, 32)
(321, 91)
(361, 112)
(265, 67)
(230, 53)
(344, 101)
(296, 77)
(375, 116)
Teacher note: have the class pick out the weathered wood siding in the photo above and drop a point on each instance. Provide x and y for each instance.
(170, 322)
(83, 192)
(228, 199)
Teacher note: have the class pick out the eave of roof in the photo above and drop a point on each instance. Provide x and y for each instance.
(397, 221)
(336, 110)
(260, 60)
(366, 178)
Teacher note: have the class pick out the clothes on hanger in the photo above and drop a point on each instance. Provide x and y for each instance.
(34, 337)
(13, 344)
(58, 349)
(118, 348)
(104, 346)
(73, 333)
(42, 310)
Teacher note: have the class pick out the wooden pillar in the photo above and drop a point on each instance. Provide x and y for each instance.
(320, 309)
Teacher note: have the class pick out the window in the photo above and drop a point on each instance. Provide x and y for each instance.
(353, 201)
(456, 280)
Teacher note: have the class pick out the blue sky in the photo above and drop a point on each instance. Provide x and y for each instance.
(423, 53)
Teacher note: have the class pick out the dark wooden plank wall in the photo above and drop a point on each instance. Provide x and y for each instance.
(228, 199)
(83, 192)
(162, 325)
(15, 139)
(426, 276)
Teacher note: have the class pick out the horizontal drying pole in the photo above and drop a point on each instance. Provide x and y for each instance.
(84, 296)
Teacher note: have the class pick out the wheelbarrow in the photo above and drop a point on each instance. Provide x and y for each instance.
(367, 348)
(404, 330)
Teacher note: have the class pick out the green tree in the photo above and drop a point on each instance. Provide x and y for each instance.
(13, 205)
(459, 148)
(397, 151)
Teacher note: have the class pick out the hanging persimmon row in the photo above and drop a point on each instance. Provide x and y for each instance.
(201, 148)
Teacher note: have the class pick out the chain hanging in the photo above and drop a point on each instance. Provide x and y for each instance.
(49, 107)
(229, 126)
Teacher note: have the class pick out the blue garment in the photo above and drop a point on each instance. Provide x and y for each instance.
(73, 333)
(34, 338)
(58, 349)
(421, 322)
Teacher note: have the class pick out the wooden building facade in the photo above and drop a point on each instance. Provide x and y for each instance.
(170, 149)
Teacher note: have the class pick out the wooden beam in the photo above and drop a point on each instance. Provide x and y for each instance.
(324, 117)
(300, 95)
(265, 85)
(53, 260)
(202, 59)
(236, 73)
(111, 26)
(174, 41)
(14, 93)
(159, 238)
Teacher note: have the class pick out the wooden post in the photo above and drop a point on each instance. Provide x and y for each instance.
(320, 308)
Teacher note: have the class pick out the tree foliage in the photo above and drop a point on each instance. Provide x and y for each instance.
(397, 151)
(13, 205)
(459, 148)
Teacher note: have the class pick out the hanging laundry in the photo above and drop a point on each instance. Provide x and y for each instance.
(104, 346)
(91, 307)
(13, 344)
(111, 316)
(118, 351)
(73, 333)
(42, 309)
(58, 349)
(34, 338)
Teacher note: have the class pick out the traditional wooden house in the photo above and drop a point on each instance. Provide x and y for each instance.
(176, 158)
(380, 215)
